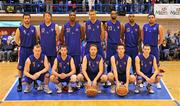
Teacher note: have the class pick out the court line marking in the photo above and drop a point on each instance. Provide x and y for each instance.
(9, 90)
(172, 98)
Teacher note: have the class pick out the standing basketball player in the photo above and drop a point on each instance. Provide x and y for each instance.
(26, 38)
(132, 35)
(94, 33)
(152, 34)
(114, 29)
(73, 33)
(48, 33)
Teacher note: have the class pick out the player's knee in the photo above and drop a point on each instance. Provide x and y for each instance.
(80, 77)
(132, 79)
(73, 78)
(47, 75)
(104, 78)
(158, 78)
(52, 78)
(110, 76)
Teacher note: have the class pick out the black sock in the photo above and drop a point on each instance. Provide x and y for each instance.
(20, 83)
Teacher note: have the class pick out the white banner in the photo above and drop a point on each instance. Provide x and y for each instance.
(167, 10)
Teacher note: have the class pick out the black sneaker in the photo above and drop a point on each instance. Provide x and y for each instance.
(19, 88)
(35, 85)
(150, 89)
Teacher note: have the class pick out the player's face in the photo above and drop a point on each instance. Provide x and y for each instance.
(92, 15)
(63, 51)
(151, 19)
(131, 18)
(37, 51)
(93, 51)
(26, 19)
(120, 50)
(146, 50)
(72, 16)
(113, 15)
(47, 17)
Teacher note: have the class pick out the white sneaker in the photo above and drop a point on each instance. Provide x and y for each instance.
(47, 90)
(137, 89)
(113, 89)
(40, 87)
(78, 85)
(150, 90)
(158, 85)
(59, 88)
(99, 88)
(141, 85)
(108, 83)
(70, 90)
(28, 88)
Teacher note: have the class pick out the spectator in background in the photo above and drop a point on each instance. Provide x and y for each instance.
(91, 4)
(164, 51)
(4, 37)
(1, 51)
(7, 51)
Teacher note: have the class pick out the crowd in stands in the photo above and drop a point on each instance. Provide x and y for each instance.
(8, 47)
(81, 6)
(170, 49)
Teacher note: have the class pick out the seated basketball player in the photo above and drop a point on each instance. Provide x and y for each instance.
(36, 68)
(92, 68)
(147, 69)
(63, 70)
(121, 64)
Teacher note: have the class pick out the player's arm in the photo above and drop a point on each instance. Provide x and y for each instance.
(105, 27)
(84, 68)
(113, 64)
(139, 40)
(38, 32)
(54, 68)
(73, 69)
(122, 28)
(46, 66)
(101, 70)
(128, 67)
(161, 33)
(138, 71)
(156, 70)
(17, 36)
(37, 37)
(102, 32)
(142, 34)
(27, 68)
(62, 35)
(57, 32)
(82, 33)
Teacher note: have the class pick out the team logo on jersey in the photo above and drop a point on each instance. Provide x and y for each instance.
(77, 29)
(128, 30)
(67, 29)
(118, 27)
(32, 31)
(110, 28)
(60, 65)
(33, 64)
(43, 30)
(42, 61)
(24, 31)
(154, 28)
(142, 63)
(68, 63)
(38, 65)
(52, 29)
(136, 29)
(120, 65)
(146, 29)
(150, 62)
(89, 26)
(145, 65)
(97, 26)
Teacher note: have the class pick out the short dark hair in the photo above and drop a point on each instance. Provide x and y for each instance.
(120, 44)
(146, 45)
(92, 11)
(63, 46)
(26, 14)
(151, 14)
(93, 45)
(47, 13)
